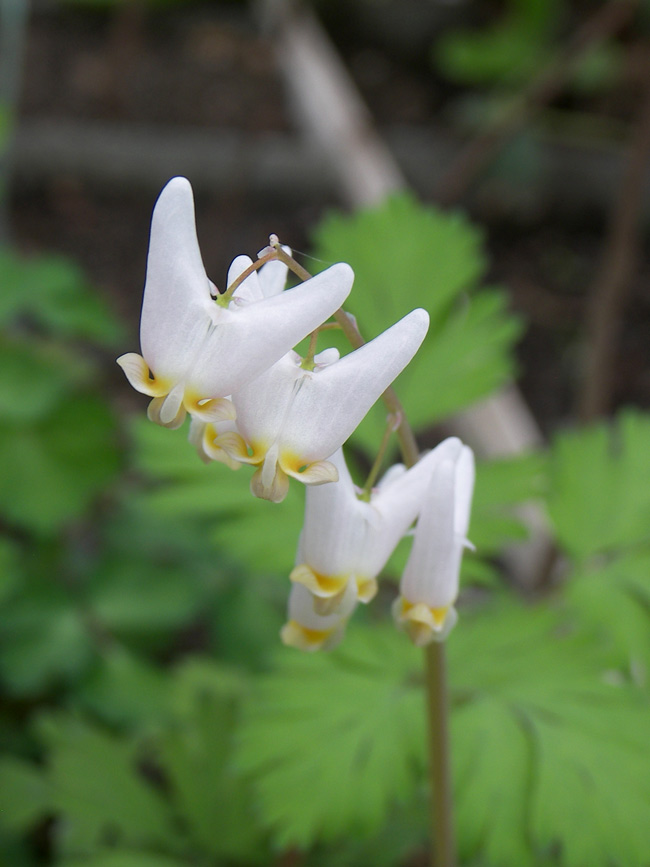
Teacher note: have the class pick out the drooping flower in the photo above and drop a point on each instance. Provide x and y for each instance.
(308, 630)
(290, 420)
(429, 585)
(347, 539)
(196, 352)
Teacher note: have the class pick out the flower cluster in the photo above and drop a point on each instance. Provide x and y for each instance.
(228, 360)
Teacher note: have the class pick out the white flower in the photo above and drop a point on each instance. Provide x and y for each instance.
(310, 631)
(202, 436)
(290, 420)
(347, 540)
(429, 585)
(194, 351)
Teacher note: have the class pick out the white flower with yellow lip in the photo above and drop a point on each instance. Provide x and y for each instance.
(290, 420)
(194, 351)
(429, 585)
(347, 539)
(308, 630)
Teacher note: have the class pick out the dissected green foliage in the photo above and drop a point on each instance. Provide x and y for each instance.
(126, 564)
(533, 720)
(406, 255)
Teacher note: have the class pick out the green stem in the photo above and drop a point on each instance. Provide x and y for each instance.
(443, 851)
(442, 845)
(223, 300)
(391, 426)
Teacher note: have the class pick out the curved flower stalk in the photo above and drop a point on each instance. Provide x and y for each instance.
(194, 351)
(429, 585)
(308, 630)
(267, 281)
(346, 540)
(290, 420)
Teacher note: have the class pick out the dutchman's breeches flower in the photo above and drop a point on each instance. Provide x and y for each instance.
(347, 537)
(308, 630)
(291, 419)
(429, 585)
(197, 350)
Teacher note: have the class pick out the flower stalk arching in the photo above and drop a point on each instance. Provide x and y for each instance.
(405, 435)
(223, 298)
(443, 849)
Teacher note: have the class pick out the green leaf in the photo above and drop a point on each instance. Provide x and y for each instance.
(99, 792)
(51, 291)
(35, 378)
(51, 471)
(124, 689)
(123, 858)
(545, 748)
(612, 601)
(256, 533)
(502, 485)
(600, 497)
(9, 568)
(196, 752)
(331, 740)
(43, 639)
(24, 795)
(406, 255)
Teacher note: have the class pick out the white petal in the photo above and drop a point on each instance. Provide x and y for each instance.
(335, 529)
(431, 573)
(255, 336)
(330, 405)
(273, 276)
(465, 473)
(399, 498)
(262, 404)
(250, 289)
(177, 310)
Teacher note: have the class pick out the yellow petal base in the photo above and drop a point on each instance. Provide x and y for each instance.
(421, 623)
(310, 640)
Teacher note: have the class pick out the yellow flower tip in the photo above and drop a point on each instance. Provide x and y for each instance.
(315, 473)
(141, 377)
(421, 623)
(366, 589)
(310, 640)
(234, 445)
(209, 409)
(274, 489)
(327, 590)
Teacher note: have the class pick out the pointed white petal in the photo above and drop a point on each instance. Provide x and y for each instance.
(177, 309)
(465, 473)
(273, 276)
(335, 529)
(257, 335)
(250, 289)
(330, 405)
(398, 500)
(431, 573)
(262, 404)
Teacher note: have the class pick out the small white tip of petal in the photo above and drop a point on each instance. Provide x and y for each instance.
(154, 411)
(274, 489)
